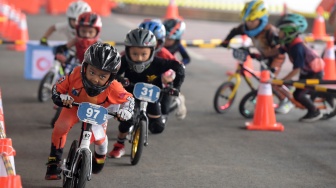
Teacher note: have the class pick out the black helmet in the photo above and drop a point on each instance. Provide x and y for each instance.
(140, 37)
(103, 57)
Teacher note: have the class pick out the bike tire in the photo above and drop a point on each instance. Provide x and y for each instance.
(138, 141)
(249, 98)
(223, 107)
(245, 107)
(82, 169)
(332, 113)
(42, 95)
(57, 114)
(67, 182)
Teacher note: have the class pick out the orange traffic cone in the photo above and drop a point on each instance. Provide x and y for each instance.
(8, 27)
(172, 11)
(7, 157)
(21, 37)
(264, 116)
(4, 11)
(319, 27)
(11, 181)
(329, 60)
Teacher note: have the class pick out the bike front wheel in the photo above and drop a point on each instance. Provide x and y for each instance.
(138, 141)
(248, 103)
(82, 169)
(67, 182)
(222, 100)
(45, 87)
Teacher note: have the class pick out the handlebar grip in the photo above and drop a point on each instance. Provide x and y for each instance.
(75, 104)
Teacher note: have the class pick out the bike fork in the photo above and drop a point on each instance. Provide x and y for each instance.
(143, 108)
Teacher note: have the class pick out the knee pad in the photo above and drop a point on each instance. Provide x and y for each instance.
(124, 126)
(156, 125)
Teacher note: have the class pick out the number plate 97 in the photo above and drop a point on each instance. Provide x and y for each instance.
(92, 113)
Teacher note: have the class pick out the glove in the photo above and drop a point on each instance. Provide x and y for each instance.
(172, 91)
(66, 97)
(125, 81)
(44, 41)
(61, 49)
(225, 44)
(282, 50)
(66, 100)
(124, 114)
(256, 56)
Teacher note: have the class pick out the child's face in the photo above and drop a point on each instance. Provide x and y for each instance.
(96, 76)
(72, 22)
(87, 32)
(252, 24)
(138, 54)
(169, 42)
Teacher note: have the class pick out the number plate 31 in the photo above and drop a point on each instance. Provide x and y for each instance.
(146, 92)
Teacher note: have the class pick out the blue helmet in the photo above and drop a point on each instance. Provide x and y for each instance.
(253, 10)
(174, 28)
(158, 29)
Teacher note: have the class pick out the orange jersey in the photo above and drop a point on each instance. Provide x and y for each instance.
(73, 86)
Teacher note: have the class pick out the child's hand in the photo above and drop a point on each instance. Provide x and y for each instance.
(67, 100)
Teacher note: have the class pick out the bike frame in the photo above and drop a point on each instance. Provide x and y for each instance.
(240, 72)
(84, 144)
(141, 109)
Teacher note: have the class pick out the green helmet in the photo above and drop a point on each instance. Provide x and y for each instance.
(292, 25)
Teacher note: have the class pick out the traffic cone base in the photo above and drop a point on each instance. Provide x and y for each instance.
(11, 181)
(275, 127)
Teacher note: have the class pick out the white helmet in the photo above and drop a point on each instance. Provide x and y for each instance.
(76, 8)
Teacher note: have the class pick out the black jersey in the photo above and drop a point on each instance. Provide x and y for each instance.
(153, 73)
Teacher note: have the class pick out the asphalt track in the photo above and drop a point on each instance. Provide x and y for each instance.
(204, 150)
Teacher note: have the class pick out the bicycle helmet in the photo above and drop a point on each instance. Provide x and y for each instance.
(291, 25)
(86, 19)
(158, 29)
(174, 28)
(140, 37)
(75, 9)
(104, 57)
(253, 10)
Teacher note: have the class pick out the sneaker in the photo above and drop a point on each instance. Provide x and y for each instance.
(181, 111)
(53, 169)
(98, 162)
(118, 151)
(312, 116)
(284, 107)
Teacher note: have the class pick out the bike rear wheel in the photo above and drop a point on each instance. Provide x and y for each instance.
(138, 141)
(45, 87)
(329, 106)
(222, 102)
(82, 169)
(248, 103)
(67, 182)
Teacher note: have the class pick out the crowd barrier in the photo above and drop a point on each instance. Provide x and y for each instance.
(8, 177)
